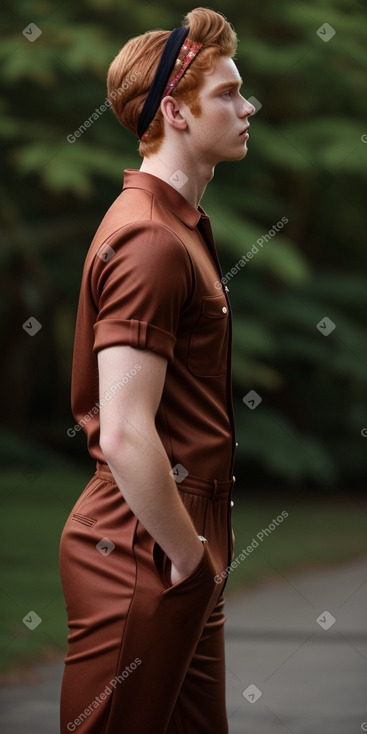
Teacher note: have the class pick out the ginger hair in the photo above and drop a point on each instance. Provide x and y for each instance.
(131, 73)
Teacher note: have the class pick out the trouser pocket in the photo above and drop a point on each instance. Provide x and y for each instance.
(201, 578)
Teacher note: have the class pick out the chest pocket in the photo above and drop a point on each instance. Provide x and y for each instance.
(208, 347)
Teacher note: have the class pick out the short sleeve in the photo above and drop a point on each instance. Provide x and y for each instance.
(141, 277)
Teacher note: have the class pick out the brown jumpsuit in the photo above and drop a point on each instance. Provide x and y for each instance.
(145, 656)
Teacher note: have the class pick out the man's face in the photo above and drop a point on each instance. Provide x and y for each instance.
(218, 134)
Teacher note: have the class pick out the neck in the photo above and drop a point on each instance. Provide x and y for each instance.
(188, 176)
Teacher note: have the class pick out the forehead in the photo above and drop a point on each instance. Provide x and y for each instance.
(225, 71)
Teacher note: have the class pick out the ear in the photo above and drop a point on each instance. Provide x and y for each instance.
(173, 112)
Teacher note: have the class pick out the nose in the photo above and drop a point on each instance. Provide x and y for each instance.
(248, 108)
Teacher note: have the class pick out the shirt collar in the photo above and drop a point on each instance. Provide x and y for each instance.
(167, 194)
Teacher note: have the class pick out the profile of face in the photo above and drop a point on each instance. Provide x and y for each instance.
(221, 131)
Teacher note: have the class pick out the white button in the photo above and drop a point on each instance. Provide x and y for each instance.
(227, 289)
(224, 309)
(232, 503)
(236, 443)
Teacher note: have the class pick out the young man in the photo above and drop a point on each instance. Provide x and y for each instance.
(144, 549)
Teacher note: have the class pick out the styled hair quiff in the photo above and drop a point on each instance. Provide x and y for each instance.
(131, 73)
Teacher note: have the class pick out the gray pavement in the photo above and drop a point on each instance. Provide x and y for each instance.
(312, 677)
(298, 675)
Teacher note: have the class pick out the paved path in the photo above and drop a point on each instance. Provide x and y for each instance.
(312, 677)
(312, 680)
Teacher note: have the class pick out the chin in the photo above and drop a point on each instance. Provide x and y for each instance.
(235, 156)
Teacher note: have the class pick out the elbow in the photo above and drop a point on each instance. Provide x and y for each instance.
(121, 446)
(125, 446)
(113, 445)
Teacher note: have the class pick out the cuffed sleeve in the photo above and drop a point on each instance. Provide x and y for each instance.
(141, 277)
(138, 334)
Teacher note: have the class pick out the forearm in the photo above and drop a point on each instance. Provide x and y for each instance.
(142, 472)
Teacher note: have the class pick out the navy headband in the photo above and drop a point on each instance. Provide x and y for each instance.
(163, 73)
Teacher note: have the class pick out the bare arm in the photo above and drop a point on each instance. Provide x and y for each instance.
(136, 455)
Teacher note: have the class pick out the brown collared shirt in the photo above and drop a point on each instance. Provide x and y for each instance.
(150, 281)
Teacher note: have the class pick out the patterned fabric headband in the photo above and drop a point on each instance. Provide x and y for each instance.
(178, 53)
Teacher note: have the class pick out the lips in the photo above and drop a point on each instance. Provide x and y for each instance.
(245, 130)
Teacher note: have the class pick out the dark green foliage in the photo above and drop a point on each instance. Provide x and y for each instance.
(306, 162)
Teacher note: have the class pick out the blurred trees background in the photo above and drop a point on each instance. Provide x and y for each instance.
(306, 162)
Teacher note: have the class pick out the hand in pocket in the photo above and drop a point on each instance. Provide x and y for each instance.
(174, 575)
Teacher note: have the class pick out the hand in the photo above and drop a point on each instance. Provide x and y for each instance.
(174, 575)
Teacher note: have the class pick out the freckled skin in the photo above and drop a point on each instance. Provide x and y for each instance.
(195, 144)
(215, 135)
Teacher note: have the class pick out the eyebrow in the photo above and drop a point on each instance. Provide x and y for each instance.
(228, 85)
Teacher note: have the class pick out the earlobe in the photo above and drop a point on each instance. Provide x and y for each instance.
(172, 113)
(179, 121)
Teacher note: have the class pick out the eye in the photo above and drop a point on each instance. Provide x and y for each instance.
(226, 94)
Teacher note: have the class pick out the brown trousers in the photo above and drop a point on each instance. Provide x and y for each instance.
(144, 656)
